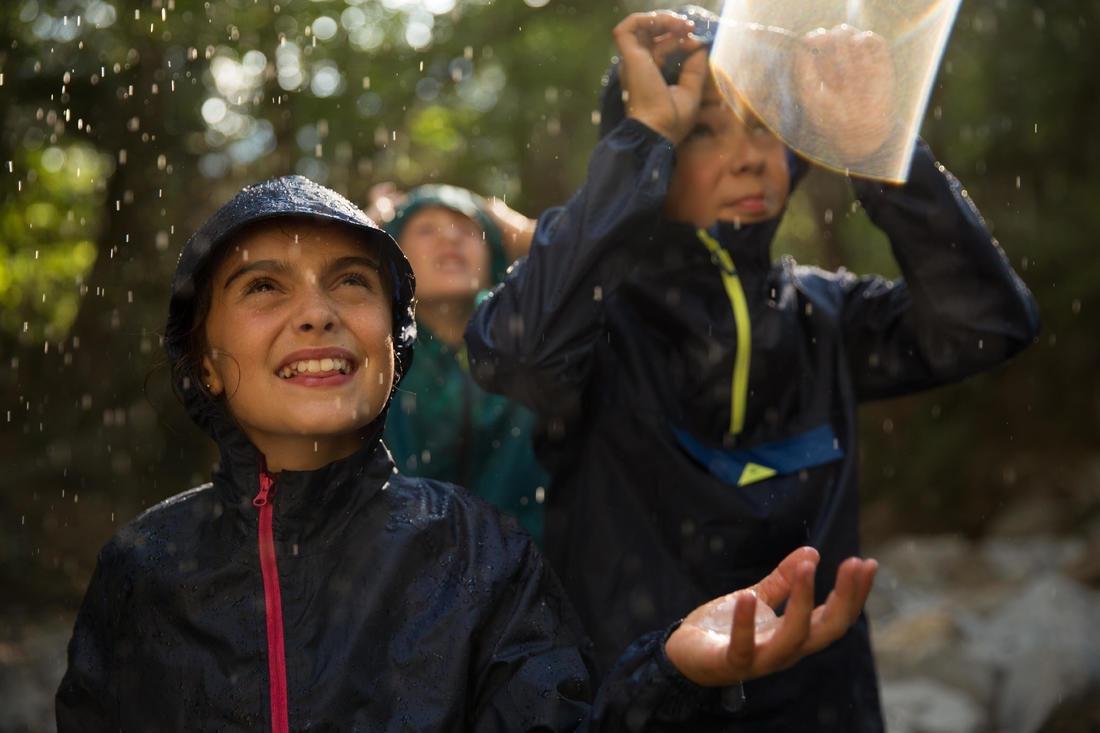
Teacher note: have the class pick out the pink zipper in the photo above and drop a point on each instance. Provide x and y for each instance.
(273, 603)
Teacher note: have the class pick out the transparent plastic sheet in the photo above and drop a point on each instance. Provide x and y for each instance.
(763, 49)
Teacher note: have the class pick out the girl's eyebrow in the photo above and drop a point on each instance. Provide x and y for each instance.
(283, 268)
(268, 265)
(353, 261)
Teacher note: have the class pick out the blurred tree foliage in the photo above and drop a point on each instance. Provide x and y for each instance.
(125, 124)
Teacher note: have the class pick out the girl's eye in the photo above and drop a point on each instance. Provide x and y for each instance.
(358, 279)
(259, 285)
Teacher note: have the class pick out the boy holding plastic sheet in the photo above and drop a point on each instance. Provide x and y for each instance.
(698, 399)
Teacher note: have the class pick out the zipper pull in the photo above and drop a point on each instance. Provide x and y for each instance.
(267, 487)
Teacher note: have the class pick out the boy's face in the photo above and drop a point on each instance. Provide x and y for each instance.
(448, 254)
(299, 337)
(727, 169)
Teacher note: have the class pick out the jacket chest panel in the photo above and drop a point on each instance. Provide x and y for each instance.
(673, 340)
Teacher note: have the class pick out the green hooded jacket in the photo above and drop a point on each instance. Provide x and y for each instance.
(441, 424)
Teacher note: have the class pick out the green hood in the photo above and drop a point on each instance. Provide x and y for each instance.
(457, 199)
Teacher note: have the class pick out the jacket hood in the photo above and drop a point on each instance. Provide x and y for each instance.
(459, 200)
(288, 196)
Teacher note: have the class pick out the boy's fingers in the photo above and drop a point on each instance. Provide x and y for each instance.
(742, 647)
(645, 28)
(854, 585)
(775, 588)
(645, 37)
(786, 645)
(866, 580)
(693, 73)
(844, 604)
(671, 43)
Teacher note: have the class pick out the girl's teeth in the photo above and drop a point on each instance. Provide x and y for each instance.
(314, 366)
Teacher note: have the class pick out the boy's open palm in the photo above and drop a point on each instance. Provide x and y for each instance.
(739, 637)
(645, 41)
(845, 81)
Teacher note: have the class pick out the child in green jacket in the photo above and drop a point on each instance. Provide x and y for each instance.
(443, 425)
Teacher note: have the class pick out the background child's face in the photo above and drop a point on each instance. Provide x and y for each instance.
(727, 169)
(299, 334)
(448, 254)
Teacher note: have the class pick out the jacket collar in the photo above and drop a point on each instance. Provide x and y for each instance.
(750, 246)
(309, 507)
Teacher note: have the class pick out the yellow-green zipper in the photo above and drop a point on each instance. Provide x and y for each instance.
(740, 306)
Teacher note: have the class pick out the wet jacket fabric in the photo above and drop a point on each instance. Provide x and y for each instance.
(443, 425)
(698, 401)
(346, 598)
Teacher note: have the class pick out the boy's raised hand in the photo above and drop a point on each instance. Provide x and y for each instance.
(645, 41)
(845, 81)
(738, 636)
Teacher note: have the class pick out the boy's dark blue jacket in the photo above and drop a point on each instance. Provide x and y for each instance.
(621, 330)
(406, 604)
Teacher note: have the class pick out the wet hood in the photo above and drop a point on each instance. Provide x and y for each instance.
(458, 200)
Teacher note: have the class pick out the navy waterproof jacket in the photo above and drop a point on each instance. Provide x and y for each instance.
(350, 598)
(698, 400)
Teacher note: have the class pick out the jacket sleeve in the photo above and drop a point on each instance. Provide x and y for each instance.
(959, 307)
(532, 338)
(87, 699)
(534, 674)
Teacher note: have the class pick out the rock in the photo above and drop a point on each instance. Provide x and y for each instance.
(1087, 569)
(913, 638)
(927, 644)
(921, 705)
(1078, 714)
(1035, 514)
(30, 671)
(929, 561)
(1044, 648)
(1027, 557)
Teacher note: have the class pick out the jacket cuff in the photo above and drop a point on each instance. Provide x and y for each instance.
(922, 169)
(688, 698)
(652, 690)
(648, 145)
(640, 131)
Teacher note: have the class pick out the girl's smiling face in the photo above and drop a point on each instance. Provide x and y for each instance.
(299, 340)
